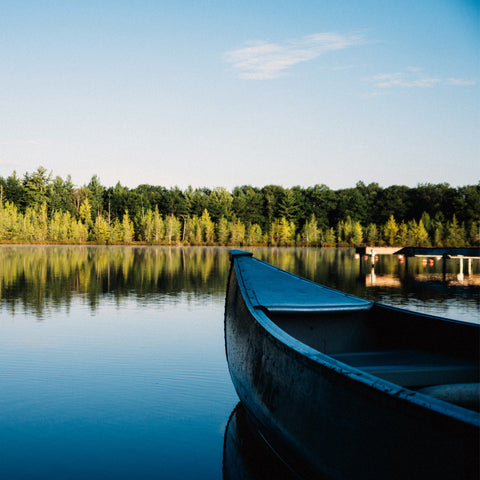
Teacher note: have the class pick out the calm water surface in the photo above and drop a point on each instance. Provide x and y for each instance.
(112, 360)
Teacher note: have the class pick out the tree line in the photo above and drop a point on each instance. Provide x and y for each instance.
(40, 208)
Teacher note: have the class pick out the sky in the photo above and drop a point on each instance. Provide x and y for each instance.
(229, 93)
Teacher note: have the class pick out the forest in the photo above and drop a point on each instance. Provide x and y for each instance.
(40, 208)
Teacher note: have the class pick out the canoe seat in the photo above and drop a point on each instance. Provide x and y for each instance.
(413, 369)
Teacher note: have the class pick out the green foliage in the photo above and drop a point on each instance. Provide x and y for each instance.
(223, 231)
(39, 209)
(36, 187)
(127, 231)
(417, 234)
(475, 234)
(59, 227)
(390, 231)
(311, 234)
(14, 191)
(455, 236)
(237, 232)
(372, 235)
(403, 235)
(254, 235)
(146, 227)
(357, 234)
(220, 204)
(282, 232)
(61, 194)
(101, 231)
(172, 229)
(350, 232)
(85, 212)
(329, 237)
(10, 222)
(95, 192)
(207, 228)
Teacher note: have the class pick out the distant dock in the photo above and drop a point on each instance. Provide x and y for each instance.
(444, 252)
(440, 253)
(376, 250)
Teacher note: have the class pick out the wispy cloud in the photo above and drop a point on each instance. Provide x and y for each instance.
(34, 143)
(460, 82)
(264, 61)
(414, 78)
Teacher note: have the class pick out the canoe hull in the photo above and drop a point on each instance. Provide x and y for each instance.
(324, 421)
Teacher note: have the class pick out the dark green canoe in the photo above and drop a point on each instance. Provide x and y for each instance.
(341, 387)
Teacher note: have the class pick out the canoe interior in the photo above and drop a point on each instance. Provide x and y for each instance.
(411, 350)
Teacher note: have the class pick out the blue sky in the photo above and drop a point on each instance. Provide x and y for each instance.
(226, 93)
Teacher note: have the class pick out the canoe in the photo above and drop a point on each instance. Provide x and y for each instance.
(341, 387)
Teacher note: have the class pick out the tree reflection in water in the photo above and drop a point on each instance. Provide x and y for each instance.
(33, 278)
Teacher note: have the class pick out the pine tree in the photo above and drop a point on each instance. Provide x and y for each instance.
(372, 235)
(223, 231)
(357, 234)
(147, 227)
(127, 229)
(474, 236)
(403, 235)
(173, 229)
(329, 237)
(390, 231)
(237, 229)
(438, 235)
(85, 213)
(40, 223)
(207, 227)
(417, 234)
(115, 231)
(254, 234)
(101, 230)
(286, 232)
(59, 227)
(455, 233)
(158, 226)
(10, 221)
(79, 232)
(422, 235)
(310, 233)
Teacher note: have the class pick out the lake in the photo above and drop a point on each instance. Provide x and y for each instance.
(112, 360)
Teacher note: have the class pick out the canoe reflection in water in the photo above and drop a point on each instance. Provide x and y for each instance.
(246, 454)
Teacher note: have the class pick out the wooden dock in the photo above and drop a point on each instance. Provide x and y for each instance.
(376, 250)
(444, 252)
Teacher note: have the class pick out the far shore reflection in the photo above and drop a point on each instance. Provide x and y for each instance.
(33, 278)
